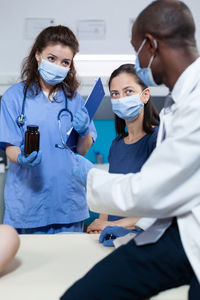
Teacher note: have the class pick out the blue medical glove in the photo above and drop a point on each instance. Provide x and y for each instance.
(81, 122)
(112, 232)
(81, 169)
(30, 160)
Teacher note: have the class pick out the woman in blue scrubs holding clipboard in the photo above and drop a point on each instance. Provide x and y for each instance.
(41, 195)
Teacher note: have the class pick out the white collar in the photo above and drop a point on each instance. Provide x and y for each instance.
(51, 98)
(186, 81)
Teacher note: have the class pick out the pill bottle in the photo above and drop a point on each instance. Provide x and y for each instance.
(32, 139)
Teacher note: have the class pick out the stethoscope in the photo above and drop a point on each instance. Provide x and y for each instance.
(21, 118)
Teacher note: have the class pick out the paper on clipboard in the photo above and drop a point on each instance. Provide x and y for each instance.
(92, 103)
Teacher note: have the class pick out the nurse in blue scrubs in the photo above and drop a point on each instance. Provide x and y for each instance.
(136, 123)
(41, 195)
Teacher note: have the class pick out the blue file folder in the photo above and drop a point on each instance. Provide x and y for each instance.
(92, 104)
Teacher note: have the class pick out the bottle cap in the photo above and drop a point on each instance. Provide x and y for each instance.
(32, 127)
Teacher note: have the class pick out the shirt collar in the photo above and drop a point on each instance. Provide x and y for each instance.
(186, 81)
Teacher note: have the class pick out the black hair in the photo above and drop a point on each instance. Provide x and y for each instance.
(169, 20)
(151, 116)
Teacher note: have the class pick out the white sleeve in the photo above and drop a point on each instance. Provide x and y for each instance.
(168, 184)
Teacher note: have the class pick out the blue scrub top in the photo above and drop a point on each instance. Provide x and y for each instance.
(124, 158)
(48, 193)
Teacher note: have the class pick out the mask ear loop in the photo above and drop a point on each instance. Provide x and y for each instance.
(156, 46)
(39, 62)
(141, 46)
(41, 57)
(141, 95)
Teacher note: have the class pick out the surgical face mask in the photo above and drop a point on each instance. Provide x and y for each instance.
(52, 73)
(127, 108)
(145, 74)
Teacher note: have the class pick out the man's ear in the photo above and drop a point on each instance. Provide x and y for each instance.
(152, 42)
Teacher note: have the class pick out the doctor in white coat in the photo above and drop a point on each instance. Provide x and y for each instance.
(167, 254)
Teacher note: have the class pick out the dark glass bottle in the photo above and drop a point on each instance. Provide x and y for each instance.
(32, 139)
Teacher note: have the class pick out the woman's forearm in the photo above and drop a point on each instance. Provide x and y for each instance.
(126, 222)
(12, 152)
(103, 217)
(84, 144)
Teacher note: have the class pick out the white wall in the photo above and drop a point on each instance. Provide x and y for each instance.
(116, 13)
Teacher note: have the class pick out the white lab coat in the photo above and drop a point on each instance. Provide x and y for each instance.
(169, 182)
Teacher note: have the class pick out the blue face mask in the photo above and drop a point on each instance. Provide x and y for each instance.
(52, 73)
(145, 74)
(127, 108)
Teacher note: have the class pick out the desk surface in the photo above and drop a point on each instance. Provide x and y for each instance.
(46, 265)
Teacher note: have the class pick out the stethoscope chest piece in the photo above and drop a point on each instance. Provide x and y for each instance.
(20, 120)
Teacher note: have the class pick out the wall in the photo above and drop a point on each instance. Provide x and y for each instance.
(105, 135)
(12, 20)
(117, 15)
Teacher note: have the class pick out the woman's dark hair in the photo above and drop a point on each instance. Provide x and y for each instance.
(52, 35)
(151, 116)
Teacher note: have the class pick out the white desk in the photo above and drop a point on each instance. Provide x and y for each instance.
(46, 265)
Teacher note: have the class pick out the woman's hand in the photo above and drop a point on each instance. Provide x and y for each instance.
(81, 122)
(110, 233)
(16, 155)
(29, 161)
(98, 225)
(81, 168)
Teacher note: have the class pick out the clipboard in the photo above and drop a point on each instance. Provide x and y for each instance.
(92, 103)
